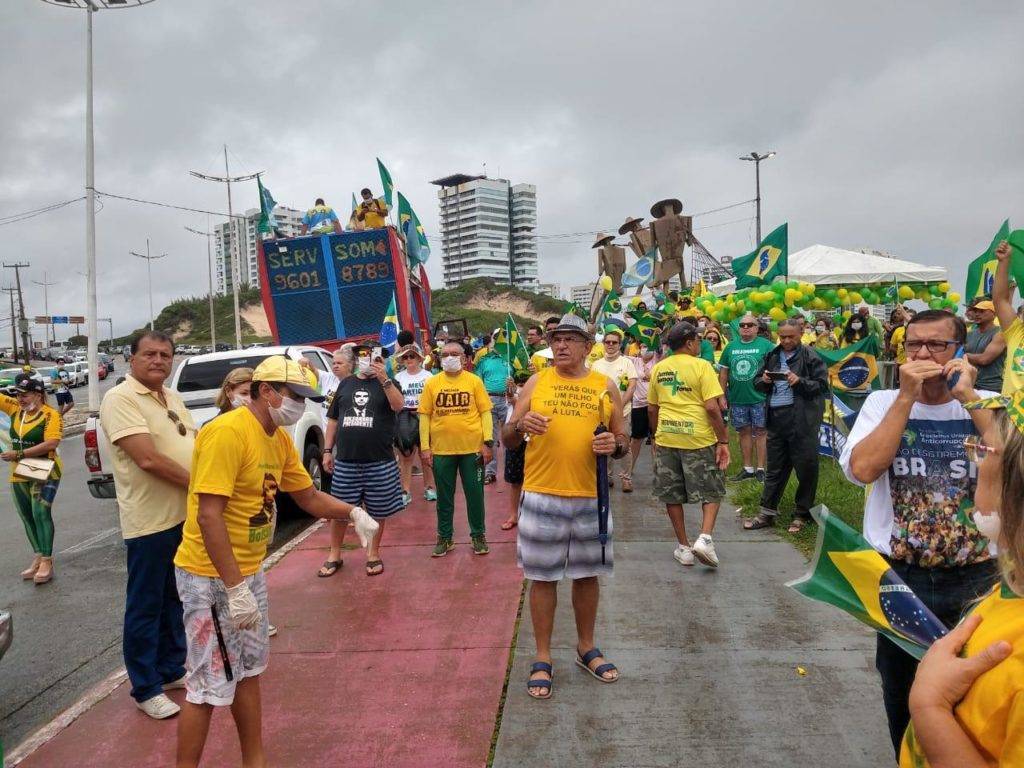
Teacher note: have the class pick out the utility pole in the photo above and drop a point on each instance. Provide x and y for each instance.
(209, 271)
(149, 271)
(14, 324)
(46, 308)
(22, 322)
(110, 322)
(756, 160)
(232, 254)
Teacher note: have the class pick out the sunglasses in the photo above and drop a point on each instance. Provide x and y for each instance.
(976, 450)
(611, 341)
(748, 325)
(182, 429)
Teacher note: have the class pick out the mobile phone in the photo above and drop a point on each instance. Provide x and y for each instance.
(952, 380)
(377, 353)
(777, 375)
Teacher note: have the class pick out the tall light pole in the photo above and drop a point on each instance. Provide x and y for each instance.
(109, 322)
(756, 160)
(209, 271)
(46, 306)
(149, 270)
(236, 271)
(92, 327)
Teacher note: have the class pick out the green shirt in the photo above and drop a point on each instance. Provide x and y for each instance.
(744, 359)
(707, 352)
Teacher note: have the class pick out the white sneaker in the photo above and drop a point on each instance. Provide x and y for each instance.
(683, 555)
(159, 707)
(175, 685)
(365, 525)
(704, 549)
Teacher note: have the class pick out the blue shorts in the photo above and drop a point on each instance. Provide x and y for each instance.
(375, 486)
(743, 416)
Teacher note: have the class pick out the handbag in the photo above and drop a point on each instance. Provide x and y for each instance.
(34, 469)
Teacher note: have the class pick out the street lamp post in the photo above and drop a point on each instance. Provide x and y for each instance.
(92, 326)
(46, 306)
(209, 271)
(149, 270)
(233, 255)
(756, 160)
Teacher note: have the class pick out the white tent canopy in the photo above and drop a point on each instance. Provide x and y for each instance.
(825, 265)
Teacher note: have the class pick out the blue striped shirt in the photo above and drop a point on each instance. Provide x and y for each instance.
(782, 393)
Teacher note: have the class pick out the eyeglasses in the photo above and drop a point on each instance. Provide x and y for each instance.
(976, 450)
(363, 353)
(182, 429)
(748, 325)
(935, 346)
(611, 341)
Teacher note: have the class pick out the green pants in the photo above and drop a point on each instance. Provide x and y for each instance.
(33, 502)
(467, 465)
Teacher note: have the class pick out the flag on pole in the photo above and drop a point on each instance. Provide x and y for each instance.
(386, 182)
(510, 345)
(415, 237)
(612, 305)
(389, 328)
(267, 223)
(848, 573)
(573, 308)
(646, 330)
(769, 260)
(854, 367)
(641, 273)
(981, 273)
(355, 204)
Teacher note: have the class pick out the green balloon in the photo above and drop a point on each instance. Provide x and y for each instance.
(934, 291)
(829, 295)
(837, 319)
(778, 288)
(773, 325)
(935, 304)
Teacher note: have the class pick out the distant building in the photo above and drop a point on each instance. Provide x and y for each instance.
(582, 294)
(289, 222)
(554, 290)
(488, 229)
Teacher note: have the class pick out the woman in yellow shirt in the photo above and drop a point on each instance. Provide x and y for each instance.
(967, 702)
(713, 336)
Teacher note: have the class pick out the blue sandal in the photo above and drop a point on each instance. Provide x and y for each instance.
(589, 656)
(539, 666)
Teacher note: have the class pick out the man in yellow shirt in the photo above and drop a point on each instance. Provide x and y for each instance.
(242, 459)
(456, 438)
(1012, 325)
(371, 213)
(690, 438)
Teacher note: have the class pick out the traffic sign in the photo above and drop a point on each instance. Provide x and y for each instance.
(59, 319)
(42, 319)
(76, 318)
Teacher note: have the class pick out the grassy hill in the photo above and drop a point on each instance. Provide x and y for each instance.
(484, 305)
(188, 319)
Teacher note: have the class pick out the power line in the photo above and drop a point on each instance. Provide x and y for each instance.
(14, 218)
(166, 205)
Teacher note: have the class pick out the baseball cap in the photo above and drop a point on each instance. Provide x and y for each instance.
(282, 370)
(986, 304)
(26, 382)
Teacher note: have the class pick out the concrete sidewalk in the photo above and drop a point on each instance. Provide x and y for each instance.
(707, 660)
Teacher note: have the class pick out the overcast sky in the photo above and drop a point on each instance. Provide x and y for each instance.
(896, 128)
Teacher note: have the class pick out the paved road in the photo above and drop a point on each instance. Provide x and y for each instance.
(68, 632)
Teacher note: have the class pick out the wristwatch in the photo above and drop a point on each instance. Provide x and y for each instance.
(388, 383)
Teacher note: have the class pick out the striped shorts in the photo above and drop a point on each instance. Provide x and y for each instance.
(376, 486)
(558, 538)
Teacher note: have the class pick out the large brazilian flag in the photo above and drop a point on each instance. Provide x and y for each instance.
(853, 368)
(768, 261)
(981, 273)
(847, 573)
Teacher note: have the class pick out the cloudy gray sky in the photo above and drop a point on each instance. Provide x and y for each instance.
(896, 129)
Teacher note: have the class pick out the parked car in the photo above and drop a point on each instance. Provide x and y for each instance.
(108, 363)
(197, 379)
(101, 372)
(78, 373)
(7, 376)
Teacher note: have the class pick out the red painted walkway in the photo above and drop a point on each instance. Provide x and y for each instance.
(402, 669)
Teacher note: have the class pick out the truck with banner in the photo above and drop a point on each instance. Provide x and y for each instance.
(330, 289)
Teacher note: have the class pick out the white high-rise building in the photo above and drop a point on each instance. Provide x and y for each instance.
(488, 229)
(582, 294)
(289, 223)
(554, 290)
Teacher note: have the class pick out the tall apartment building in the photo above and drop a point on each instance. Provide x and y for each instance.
(582, 294)
(554, 290)
(488, 229)
(289, 222)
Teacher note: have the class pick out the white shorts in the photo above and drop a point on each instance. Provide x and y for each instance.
(248, 650)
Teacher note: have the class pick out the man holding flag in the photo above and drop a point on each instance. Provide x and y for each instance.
(1013, 326)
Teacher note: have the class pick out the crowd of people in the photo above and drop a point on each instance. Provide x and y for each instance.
(940, 455)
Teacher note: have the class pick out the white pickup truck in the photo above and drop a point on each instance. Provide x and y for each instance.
(197, 379)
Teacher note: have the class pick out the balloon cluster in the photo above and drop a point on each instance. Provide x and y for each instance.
(780, 299)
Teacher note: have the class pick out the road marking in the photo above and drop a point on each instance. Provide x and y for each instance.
(89, 542)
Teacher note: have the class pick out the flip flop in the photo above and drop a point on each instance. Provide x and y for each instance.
(508, 525)
(371, 566)
(584, 662)
(758, 522)
(540, 666)
(331, 566)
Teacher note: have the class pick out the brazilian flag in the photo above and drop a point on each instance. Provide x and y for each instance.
(612, 304)
(641, 273)
(768, 261)
(510, 345)
(415, 237)
(386, 181)
(981, 273)
(646, 330)
(847, 573)
(573, 308)
(853, 368)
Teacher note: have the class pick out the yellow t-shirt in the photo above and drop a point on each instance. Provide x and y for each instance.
(809, 338)
(680, 385)
(540, 361)
(896, 342)
(480, 355)
(992, 712)
(691, 312)
(454, 405)
(1013, 372)
(375, 216)
(146, 503)
(235, 457)
(596, 353)
(561, 462)
(31, 429)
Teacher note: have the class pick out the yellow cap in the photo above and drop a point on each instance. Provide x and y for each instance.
(283, 370)
(984, 305)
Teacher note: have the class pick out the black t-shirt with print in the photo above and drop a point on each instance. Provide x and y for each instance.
(366, 423)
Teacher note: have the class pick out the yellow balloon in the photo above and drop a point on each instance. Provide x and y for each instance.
(923, 295)
(776, 313)
(606, 282)
(719, 305)
(842, 293)
(954, 297)
(944, 287)
(906, 292)
(855, 298)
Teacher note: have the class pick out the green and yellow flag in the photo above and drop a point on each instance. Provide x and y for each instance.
(646, 330)
(769, 260)
(386, 182)
(612, 304)
(847, 573)
(510, 345)
(981, 273)
(415, 237)
(853, 368)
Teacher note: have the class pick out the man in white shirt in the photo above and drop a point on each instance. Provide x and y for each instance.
(622, 372)
(908, 444)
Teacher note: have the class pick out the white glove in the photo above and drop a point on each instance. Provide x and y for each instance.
(365, 525)
(242, 606)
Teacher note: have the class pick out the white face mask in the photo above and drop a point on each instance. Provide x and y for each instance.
(989, 524)
(239, 400)
(363, 365)
(288, 412)
(819, 328)
(856, 326)
(647, 354)
(451, 364)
